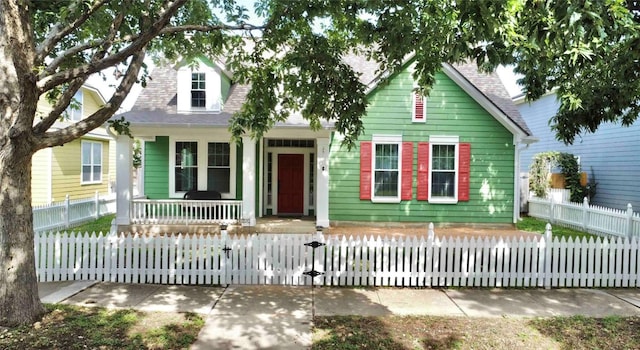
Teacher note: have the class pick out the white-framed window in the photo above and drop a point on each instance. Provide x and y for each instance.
(91, 171)
(443, 169)
(198, 90)
(218, 166)
(386, 166)
(74, 110)
(186, 166)
(201, 164)
(419, 107)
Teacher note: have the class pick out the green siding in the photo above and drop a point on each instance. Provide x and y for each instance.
(450, 111)
(156, 165)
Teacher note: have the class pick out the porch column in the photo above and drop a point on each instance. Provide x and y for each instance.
(322, 183)
(124, 184)
(248, 181)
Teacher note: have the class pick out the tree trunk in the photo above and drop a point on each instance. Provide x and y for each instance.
(19, 300)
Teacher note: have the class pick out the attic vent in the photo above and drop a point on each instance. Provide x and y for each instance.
(419, 114)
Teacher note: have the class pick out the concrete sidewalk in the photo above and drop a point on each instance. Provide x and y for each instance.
(262, 317)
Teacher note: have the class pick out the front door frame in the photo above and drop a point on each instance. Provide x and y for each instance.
(275, 151)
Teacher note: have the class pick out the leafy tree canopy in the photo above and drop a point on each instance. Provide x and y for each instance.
(587, 50)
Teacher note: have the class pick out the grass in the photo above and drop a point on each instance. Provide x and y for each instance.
(430, 332)
(530, 224)
(103, 225)
(73, 327)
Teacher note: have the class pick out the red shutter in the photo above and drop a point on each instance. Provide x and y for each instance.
(407, 171)
(464, 162)
(418, 107)
(423, 171)
(365, 170)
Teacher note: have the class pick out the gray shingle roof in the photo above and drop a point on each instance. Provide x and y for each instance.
(157, 103)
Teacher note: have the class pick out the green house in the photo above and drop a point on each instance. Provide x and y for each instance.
(451, 157)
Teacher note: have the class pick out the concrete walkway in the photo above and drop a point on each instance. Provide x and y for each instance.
(280, 317)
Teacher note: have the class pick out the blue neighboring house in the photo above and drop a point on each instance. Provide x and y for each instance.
(611, 154)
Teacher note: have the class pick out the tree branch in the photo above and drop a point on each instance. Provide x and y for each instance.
(210, 28)
(58, 31)
(97, 119)
(62, 77)
(76, 84)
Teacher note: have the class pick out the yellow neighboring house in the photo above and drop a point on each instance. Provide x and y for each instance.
(78, 168)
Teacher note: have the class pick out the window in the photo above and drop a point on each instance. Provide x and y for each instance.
(198, 90)
(443, 170)
(419, 108)
(91, 162)
(74, 110)
(386, 172)
(186, 166)
(201, 164)
(218, 167)
(386, 169)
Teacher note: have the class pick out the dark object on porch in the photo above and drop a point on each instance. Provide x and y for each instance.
(202, 195)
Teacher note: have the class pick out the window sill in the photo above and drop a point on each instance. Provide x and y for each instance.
(443, 201)
(90, 183)
(385, 200)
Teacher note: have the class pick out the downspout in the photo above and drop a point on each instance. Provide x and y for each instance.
(517, 141)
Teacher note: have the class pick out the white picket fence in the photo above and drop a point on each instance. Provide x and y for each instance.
(587, 218)
(67, 213)
(290, 259)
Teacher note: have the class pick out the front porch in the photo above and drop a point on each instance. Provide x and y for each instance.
(273, 176)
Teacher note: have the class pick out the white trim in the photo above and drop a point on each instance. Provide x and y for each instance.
(275, 152)
(386, 139)
(248, 180)
(322, 182)
(202, 164)
(124, 185)
(92, 181)
(446, 141)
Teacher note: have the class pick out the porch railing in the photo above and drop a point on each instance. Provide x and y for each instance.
(186, 212)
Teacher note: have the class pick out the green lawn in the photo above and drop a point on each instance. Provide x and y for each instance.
(103, 225)
(530, 224)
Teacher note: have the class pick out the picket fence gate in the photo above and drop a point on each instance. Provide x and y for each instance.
(295, 259)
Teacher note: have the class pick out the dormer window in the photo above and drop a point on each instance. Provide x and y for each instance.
(198, 90)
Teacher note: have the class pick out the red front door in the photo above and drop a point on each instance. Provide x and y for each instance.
(290, 184)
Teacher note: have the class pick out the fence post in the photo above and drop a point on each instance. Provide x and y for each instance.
(551, 209)
(585, 213)
(114, 227)
(66, 211)
(429, 255)
(97, 204)
(547, 256)
(629, 220)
